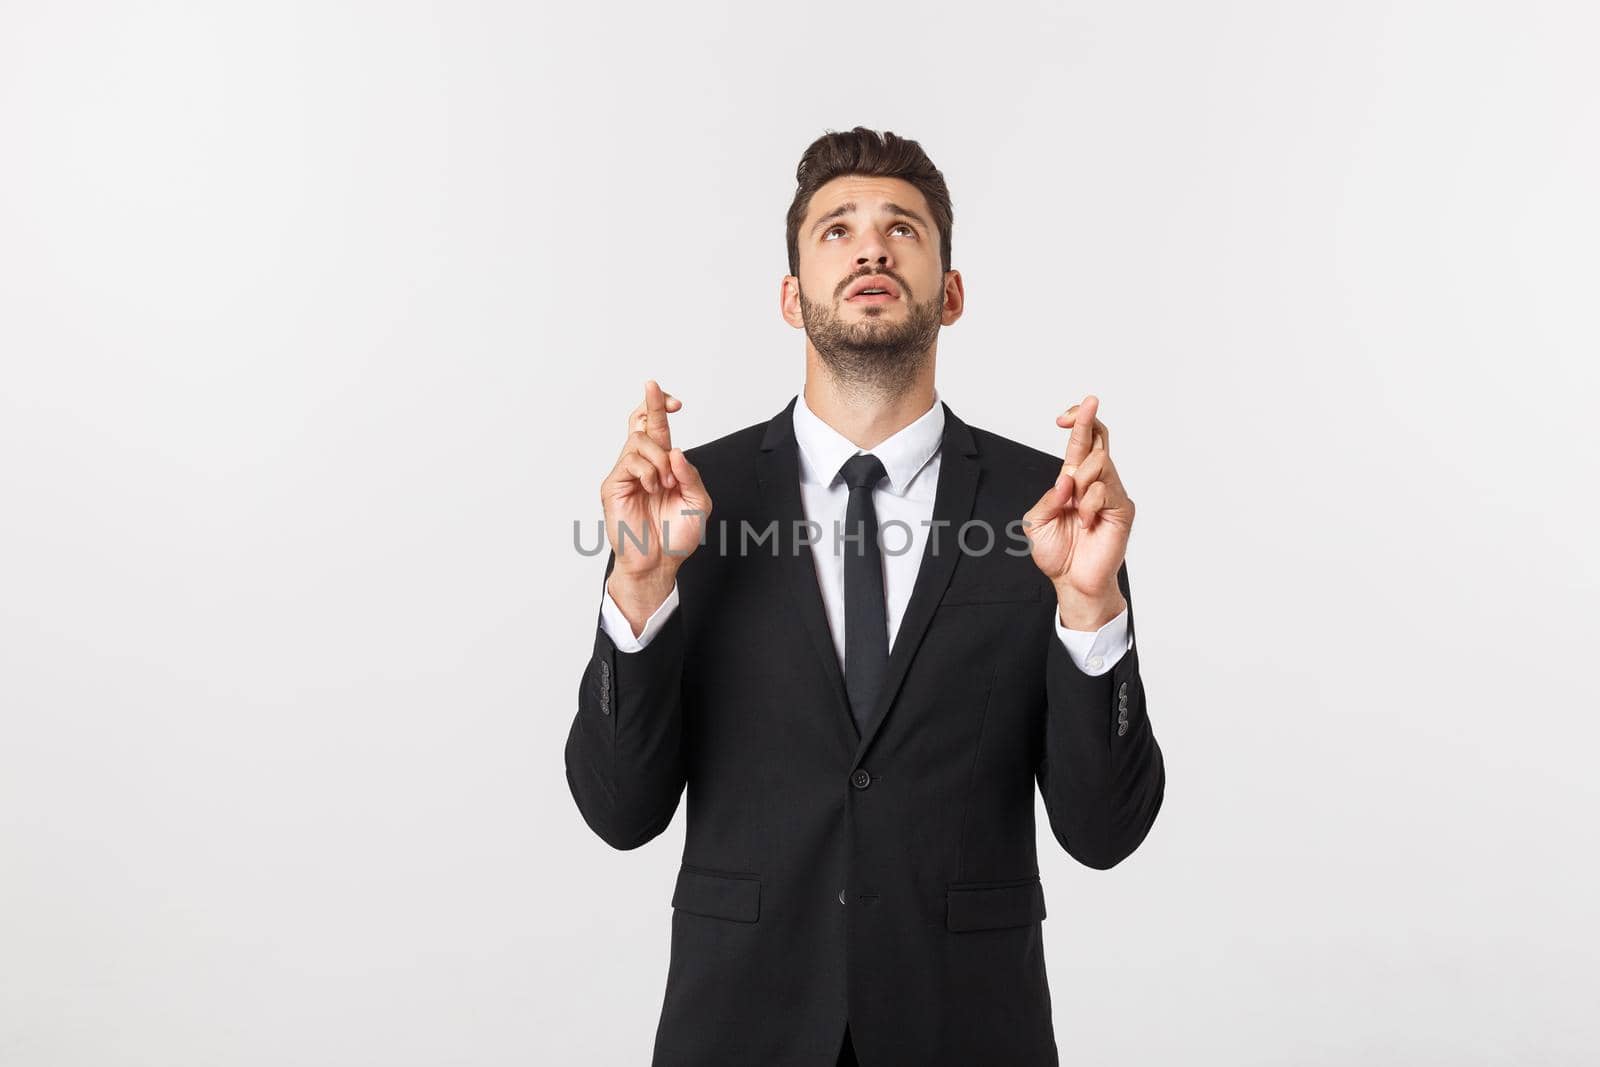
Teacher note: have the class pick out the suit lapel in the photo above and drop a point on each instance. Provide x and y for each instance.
(779, 476)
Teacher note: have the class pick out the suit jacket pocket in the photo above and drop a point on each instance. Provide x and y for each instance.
(992, 594)
(994, 905)
(719, 895)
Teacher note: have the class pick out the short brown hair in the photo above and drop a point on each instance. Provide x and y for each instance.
(870, 154)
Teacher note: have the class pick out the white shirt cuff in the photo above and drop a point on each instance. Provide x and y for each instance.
(1095, 652)
(617, 627)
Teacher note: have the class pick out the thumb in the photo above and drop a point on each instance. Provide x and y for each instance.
(1049, 506)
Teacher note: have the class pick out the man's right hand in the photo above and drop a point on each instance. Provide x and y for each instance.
(656, 508)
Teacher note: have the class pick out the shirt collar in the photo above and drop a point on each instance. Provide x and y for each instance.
(904, 453)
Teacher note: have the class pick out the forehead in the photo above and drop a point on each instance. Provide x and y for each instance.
(869, 194)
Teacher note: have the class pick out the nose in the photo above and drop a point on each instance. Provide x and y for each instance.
(874, 251)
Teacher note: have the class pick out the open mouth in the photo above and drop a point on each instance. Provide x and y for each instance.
(871, 296)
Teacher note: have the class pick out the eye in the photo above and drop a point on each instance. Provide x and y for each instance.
(897, 226)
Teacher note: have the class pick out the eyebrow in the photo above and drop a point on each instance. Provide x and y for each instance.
(890, 209)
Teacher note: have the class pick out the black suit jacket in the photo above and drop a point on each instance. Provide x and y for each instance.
(888, 878)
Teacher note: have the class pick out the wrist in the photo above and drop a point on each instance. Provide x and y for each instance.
(1080, 611)
(639, 595)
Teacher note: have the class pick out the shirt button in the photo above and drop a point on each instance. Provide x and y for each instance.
(861, 779)
(1095, 663)
(841, 896)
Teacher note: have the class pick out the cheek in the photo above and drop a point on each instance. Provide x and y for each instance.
(828, 261)
(821, 279)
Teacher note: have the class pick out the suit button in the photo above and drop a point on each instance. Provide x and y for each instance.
(841, 896)
(1122, 728)
(861, 779)
(1122, 691)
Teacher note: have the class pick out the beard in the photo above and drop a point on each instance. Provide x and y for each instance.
(874, 354)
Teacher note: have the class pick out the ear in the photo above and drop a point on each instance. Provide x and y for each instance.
(789, 302)
(955, 298)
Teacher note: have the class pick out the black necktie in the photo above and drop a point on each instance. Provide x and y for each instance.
(866, 620)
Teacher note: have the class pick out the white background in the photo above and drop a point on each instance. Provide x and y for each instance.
(320, 323)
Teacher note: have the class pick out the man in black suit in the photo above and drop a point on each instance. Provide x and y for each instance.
(897, 624)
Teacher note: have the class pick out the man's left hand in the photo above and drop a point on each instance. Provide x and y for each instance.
(1079, 528)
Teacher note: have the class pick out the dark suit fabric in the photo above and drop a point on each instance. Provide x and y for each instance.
(924, 822)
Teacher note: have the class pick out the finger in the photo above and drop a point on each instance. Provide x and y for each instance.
(1094, 502)
(688, 476)
(654, 454)
(1115, 493)
(617, 482)
(1086, 474)
(639, 420)
(1102, 432)
(1066, 419)
(1081, 442)
(636, 468)
(655, 410)
(636, 417)
(1115, 500)
(1048, 507)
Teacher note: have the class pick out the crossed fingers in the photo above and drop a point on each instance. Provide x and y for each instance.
(1087, 474)
(646, 455)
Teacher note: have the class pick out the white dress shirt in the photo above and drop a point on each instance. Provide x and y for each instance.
(904, 503)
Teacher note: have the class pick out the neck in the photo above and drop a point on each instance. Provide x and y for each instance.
(863, 415)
